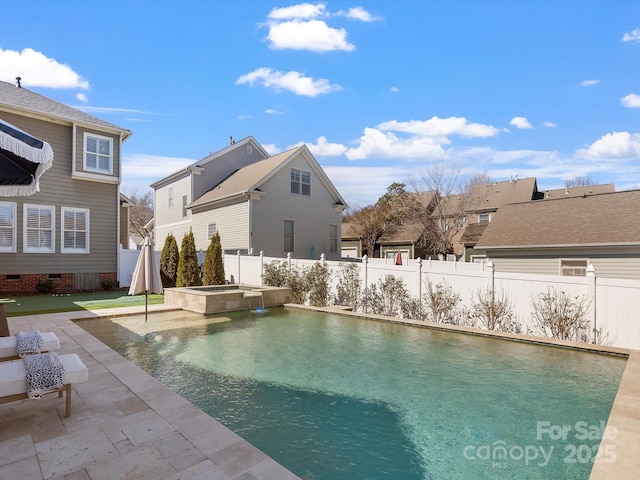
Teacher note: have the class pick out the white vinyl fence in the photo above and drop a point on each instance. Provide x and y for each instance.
(614, 303)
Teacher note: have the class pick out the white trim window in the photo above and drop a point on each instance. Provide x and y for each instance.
(98, 153)
(7, 227)
(289, 243)
(300, 182)
(184, 206)
(75, 230)
(39, 229)
(573, 267)
(484, 218)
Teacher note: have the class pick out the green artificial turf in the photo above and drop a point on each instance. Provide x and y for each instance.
(62, 302)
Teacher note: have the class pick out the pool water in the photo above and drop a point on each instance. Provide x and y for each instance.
(332, 397)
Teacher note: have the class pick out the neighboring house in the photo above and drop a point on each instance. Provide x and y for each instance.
(125, 210)
(564, 236)
(275, 204)
(69, 231)
(351, 244)
(403, 239)
(482, 207)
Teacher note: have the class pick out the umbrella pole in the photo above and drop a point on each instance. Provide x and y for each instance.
(146, 304)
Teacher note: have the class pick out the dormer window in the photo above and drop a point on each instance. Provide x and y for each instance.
(484, 218)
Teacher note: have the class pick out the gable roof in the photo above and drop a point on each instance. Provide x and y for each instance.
(33, 104)
(198, 166)
(243, 180)
(591, 220)
(248, 179)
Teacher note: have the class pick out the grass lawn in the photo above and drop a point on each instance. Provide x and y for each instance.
(52, 302)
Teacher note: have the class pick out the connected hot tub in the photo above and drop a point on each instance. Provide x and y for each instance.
(225, 298)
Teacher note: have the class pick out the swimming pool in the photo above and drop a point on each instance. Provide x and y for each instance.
(331, 397)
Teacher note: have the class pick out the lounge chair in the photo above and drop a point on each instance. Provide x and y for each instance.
(13, 383)
(8, 345)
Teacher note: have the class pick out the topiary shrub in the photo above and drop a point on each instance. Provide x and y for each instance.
(169, 262)
(188, 268)
(213, 265)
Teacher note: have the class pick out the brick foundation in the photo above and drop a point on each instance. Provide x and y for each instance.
(13, 285)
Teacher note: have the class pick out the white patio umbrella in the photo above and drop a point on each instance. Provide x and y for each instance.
(146, 276)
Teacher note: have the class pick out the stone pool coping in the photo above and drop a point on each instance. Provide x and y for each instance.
(622, 435)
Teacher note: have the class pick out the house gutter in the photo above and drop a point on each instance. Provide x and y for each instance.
(560, 245)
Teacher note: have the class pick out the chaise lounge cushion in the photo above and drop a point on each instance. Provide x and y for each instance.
(13, 374)
(8, 345)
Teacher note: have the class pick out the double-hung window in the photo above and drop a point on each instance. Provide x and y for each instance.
(288, 236)
(7, 227)
(98, 153)
(75, 230)
(300, 182)
(39, 229)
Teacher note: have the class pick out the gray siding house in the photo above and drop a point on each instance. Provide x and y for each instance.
(68, 232)
(565, 235)
(275, 204)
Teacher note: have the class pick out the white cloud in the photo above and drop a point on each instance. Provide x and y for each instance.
(323, 148)
(82, 97)
(549, 124)
(616, 145)
(633, 36)
(139, 170)
(292, 81)
(631, 101)
(302, 10)
(271, 148)
(394, 89)
(437, 127)
(589, 83)
(376, 143)
(314, 35)
(359, 13)
(273, 111)
(520, 123)
(37, 70)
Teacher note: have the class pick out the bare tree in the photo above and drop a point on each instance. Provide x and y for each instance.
(452, 201)
(368, 224)
(579, 181)
(141, 211)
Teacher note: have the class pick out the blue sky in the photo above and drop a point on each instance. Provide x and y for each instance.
(378, 90)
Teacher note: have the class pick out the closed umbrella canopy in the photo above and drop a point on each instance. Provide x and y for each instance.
(146, 275)
(23, 159)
